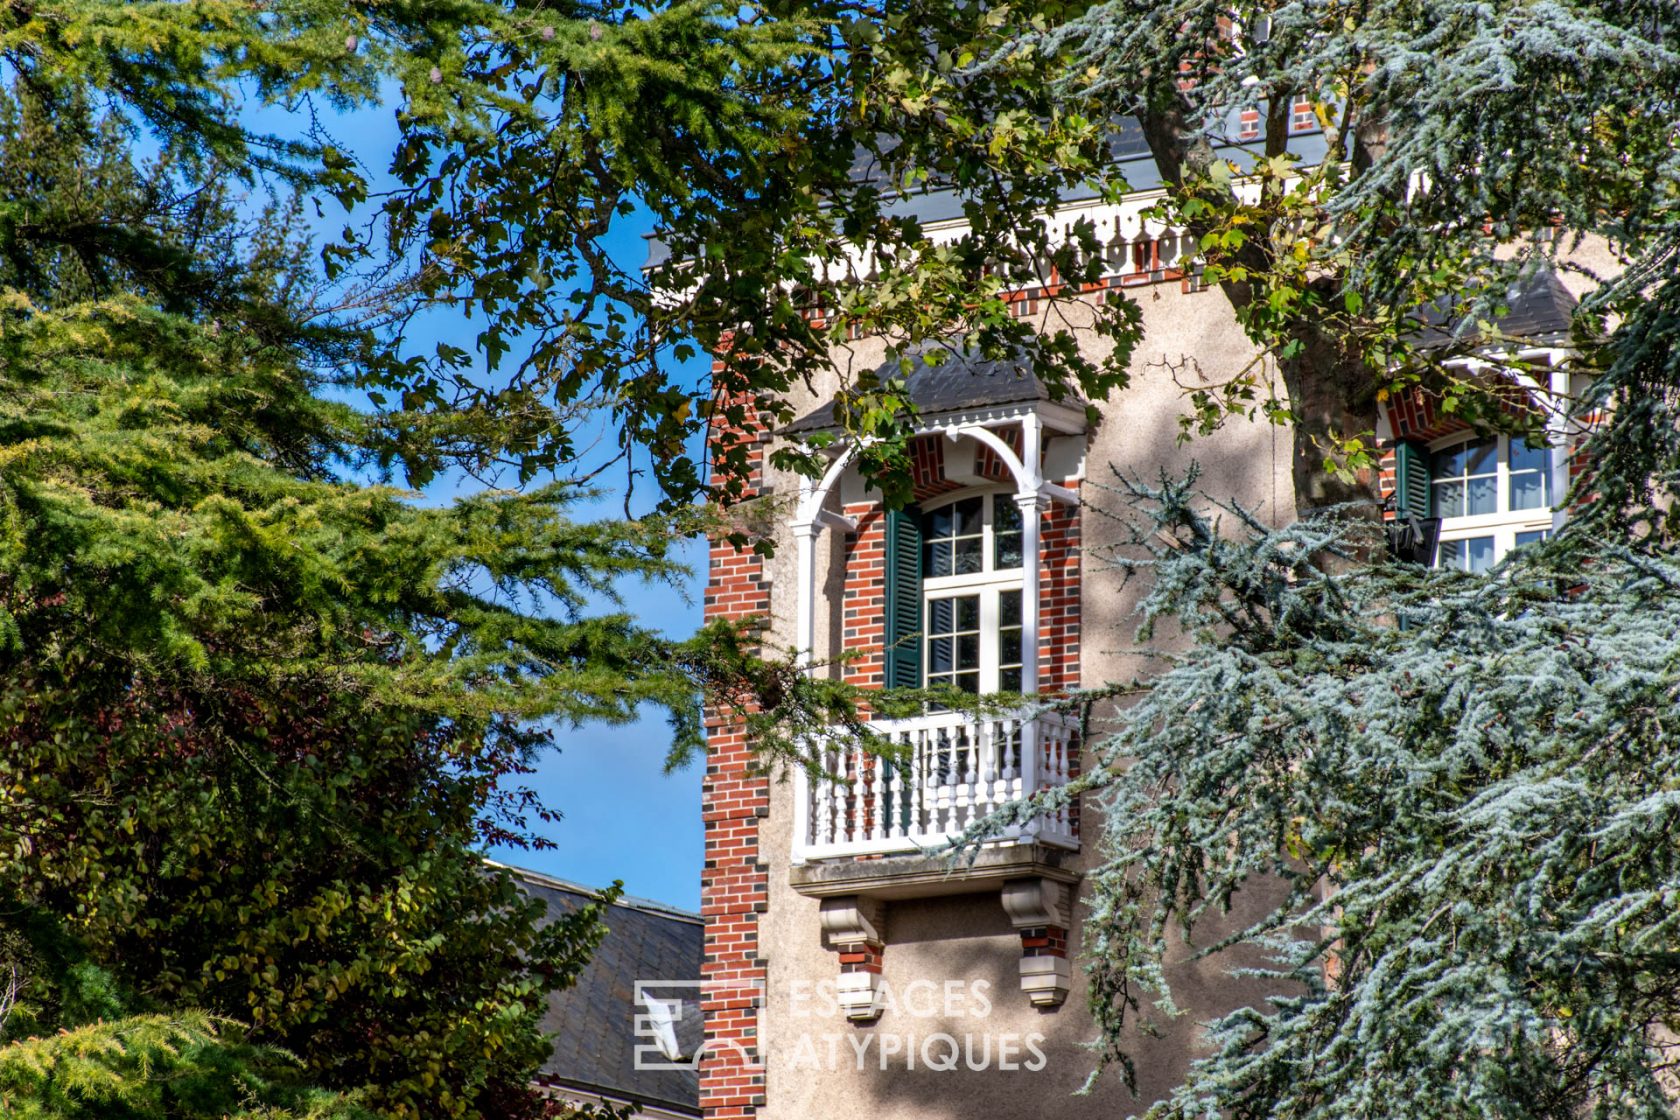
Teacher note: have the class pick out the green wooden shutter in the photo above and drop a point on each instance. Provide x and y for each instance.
(904, 598)
(1412, 533)
(1411, 480)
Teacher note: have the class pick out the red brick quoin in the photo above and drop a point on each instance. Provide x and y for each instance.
(734, 881)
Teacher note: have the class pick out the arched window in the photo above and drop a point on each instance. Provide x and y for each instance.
(1492, 494)
(971, 593)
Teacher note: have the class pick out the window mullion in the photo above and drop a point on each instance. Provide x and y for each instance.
(1502, 479)
(989, 639)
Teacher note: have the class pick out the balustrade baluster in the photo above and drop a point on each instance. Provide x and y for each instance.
(816, 807)
(822, 809)
(840, 796)
(1069, 744)
(862, 822)
(944, 773)
(968, 788)
(918, 782)
(897, 818)
(1055, 768)
(810, 789)
(985, 749)
(1004, 731)
(878, 807)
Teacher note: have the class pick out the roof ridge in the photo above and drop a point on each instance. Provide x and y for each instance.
(629, 902)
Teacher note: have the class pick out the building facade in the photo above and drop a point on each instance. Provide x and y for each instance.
(851, 968)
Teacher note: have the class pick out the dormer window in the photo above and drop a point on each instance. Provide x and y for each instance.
(960, 576)
(1492, 494)
(967, 590)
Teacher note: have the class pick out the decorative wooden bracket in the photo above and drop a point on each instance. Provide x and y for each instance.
(1040, 909)
(854, 926)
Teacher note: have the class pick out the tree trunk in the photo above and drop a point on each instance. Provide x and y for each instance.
(1332, 398)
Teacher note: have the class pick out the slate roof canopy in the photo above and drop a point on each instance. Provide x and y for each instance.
(1537, 305)
(593, 1022)
(964, 380)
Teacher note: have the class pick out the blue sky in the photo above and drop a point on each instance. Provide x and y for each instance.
(623, 817)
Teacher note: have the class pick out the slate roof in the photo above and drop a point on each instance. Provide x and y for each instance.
(1126, 145)
(936, 202)
(1537, 305)
(963, 380)
(593, 1022)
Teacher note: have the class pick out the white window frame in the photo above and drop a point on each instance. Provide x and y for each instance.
(1503, 525)
(988, 584)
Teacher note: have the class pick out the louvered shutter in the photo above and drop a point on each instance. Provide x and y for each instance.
(1411, 480)
(1412, 533)
(904, 598)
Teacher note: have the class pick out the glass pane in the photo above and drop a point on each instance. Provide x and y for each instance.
(1525, 457)
(1481, 553)
(1479, 456)
(936, 558)
(1007, 550)
(937, 523)
(968, 555)
(969, 682)
(968, 516)
(1006, 515)
(1009, 680)
(939, 655)
(941, 613)
(1009, 647)
(1449, 499)
(1534, 536)
(1484, 495)
(1009, 608)
(968, 651)
(1450, 554)
(1447, 462)
(1528, 490)
(968, 612)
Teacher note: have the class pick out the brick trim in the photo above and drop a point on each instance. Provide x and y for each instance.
(734, 880)
(1044, 941)
(1059, 597)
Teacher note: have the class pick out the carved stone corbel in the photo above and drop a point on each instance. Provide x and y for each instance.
(1041, 910)
(1037, 902)
(854, 926)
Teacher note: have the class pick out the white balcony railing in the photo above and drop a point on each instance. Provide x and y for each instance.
(955, 769)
